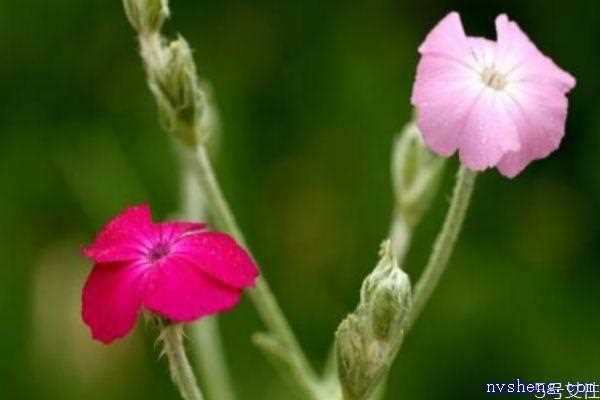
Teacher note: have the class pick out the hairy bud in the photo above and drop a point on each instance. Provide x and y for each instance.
(146, 16)
(364, 337)
(415, 174)
(386, 294)
(175, 85)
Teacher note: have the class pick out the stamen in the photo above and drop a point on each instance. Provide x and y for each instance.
(493, 79)
(158, 252)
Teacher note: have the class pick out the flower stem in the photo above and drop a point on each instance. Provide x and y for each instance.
(208, 346)
(211, 359)
(179, 365)
(261, 295)
(436, 265)
(444, 243)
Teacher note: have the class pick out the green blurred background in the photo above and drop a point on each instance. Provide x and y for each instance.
(311, 94)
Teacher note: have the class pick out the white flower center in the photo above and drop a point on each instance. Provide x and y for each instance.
(494, 79)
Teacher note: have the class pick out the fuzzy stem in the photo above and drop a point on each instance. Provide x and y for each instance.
(208, 346)
(172, 79)
(400, 235)
(261, 295)
(436, 265)
(211, 359)
(179, 365)
(445, 242)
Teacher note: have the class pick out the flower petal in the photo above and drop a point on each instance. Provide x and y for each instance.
(218, 255)
(448, 39)
(518, 56)
(489, 131)
(168, 232)
(182, 292)
(443, 94)
(540, 116)
(124, 238)
(111, 300)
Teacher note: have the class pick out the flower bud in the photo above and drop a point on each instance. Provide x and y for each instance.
(175, 86)
(354, 366)
(364, 338)
(146, 16)
(415, 174)
(386, 294)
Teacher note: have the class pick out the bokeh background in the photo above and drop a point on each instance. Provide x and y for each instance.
(310, 94)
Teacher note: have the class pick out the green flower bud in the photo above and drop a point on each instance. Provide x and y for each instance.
(386, 294)
(175, 85)
(146, 16)
(355, 368)
(364, 337)
(416, 174)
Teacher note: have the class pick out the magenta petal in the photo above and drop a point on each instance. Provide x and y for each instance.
(111, 299)
(181, 292)
(125, 237)
(218, 255)
(171, 231)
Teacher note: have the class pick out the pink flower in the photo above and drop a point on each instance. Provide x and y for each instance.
(177, 269)
(499, 103)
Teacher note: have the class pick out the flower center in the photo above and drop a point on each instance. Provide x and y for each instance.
(494, 79)
(158, 252)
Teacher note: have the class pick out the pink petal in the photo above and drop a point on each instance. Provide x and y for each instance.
(489, 131)
(448, 39)
(125, 237)
(443, 94)
(483, 52)
(540, 116)
(181, 292)
(111, 300)
(448, 83)
(218, 255)
(518, 56)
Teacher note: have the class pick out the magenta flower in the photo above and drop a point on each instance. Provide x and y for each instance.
(500, 103)
(177, 269)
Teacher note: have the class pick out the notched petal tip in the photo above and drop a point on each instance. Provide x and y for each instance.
(517, 49)
(500, 21)
(448, 36)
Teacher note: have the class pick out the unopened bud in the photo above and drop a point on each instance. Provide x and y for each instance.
(356, 362)
(415, 173)
(175, 86)
(386, 294)
(363, 339)
(146, 16)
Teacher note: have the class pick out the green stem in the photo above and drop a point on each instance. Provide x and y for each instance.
(445, 242)
(211, 359)
(400, 235)
(208, 346)
(261, 295)
(179, 365)
(436, 265)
